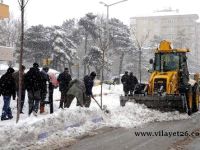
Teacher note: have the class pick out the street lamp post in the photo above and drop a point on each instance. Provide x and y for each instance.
(107, 45)
(107, 7)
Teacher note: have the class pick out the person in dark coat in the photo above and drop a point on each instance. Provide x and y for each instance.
(89, 83)
(64, 78)
(132, 83)
(7, 89)
(16, 77)
(33, 82)
(125, 80)
(44, 83)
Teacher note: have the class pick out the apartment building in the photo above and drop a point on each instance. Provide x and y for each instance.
(170, 25)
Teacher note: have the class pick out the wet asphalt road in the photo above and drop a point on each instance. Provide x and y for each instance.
(166, 136)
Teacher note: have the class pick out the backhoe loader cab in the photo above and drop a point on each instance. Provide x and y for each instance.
(169, 61)
(169, 87)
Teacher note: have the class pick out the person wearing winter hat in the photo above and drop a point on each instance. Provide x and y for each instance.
(35, 65)
(64, 78)
(7, 88)
(44, 87)
(125, 80)
(33, 80)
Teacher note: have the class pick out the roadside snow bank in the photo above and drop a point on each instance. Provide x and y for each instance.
(33, 129)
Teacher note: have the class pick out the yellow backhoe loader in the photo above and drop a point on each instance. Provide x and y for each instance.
(169, 87)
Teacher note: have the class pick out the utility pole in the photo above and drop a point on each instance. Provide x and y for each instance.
(107, 45)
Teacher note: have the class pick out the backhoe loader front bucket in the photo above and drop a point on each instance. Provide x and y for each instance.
(162, 103)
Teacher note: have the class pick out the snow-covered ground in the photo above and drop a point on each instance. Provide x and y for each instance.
(64, 125)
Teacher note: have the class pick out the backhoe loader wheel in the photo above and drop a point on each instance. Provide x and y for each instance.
(189, 101)
(195, 98)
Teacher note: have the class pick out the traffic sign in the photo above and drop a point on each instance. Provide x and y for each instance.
(4, 11)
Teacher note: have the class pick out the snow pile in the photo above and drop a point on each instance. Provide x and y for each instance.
(64, 125)
(136, 114)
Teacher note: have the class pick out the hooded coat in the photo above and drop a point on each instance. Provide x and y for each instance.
(77, 89)
(7, 84)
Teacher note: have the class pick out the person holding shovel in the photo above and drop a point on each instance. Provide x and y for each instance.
(89, 83)
(82, 90)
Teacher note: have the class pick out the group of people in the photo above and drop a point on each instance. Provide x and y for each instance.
(40, 86)
(129, 82)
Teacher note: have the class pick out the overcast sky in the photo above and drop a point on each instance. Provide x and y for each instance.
(54, 12)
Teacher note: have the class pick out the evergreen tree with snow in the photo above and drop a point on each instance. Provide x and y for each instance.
(94, 59)
(36, 44)
(88, 26)
(64, 49)
(121, 41)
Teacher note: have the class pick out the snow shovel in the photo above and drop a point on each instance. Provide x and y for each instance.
(104, 106)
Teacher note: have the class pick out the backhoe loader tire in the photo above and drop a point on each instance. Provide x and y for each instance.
(195, 98)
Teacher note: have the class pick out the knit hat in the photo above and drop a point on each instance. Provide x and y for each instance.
(93, 74)
(36, 65)
(10, 70)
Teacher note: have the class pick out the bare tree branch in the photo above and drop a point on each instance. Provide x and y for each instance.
(20, 4)
(26, 3)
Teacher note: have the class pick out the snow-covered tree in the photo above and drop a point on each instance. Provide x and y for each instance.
(87, 23)
(36, 44)
(73, 32)
(103, 43)
(140, 44)
(121, 41)
(94, 59)
(9, 32)
(64, 48)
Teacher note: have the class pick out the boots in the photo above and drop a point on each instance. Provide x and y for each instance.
(42, 108)
(4, 118)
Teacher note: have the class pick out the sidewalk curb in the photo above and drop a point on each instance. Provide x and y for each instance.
(44, 135)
